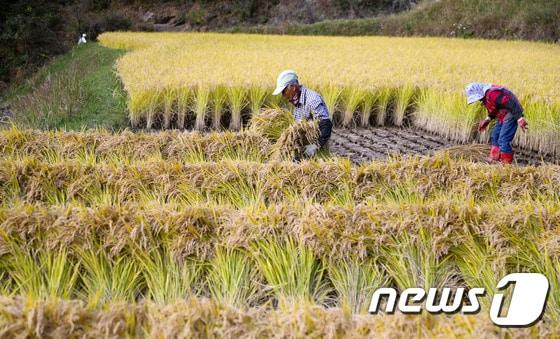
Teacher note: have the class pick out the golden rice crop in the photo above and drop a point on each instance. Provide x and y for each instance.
(335, 232)
(135, 252)
(271, 123)
(294, 138)
(471, 152)
(242, 183)
(367, 79)
(102, 146)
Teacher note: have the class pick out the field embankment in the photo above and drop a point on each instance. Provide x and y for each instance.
(77, 90)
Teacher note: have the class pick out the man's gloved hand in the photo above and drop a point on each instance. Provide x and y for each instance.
(483, 124)
(523, 124)
(310, 150)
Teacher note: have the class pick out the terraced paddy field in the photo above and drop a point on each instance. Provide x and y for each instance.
(198, 223)
(172, 233)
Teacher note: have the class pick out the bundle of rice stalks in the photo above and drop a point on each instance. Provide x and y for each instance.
(333, 232)
(469, 152)
(271, 122)
(292, 141)
(96, 146)
(232, 182)
(24, 318)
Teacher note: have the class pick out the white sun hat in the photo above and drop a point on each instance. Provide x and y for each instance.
(284, 79)
(476, 91)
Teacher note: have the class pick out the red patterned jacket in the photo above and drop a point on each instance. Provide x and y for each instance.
(499, 101)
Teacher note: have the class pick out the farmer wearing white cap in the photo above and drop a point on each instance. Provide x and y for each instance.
(503, 105)
(308, 105)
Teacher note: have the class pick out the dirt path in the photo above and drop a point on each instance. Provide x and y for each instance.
(378, 143)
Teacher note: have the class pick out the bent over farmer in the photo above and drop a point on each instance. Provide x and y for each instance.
(308, 104)
(504, 106)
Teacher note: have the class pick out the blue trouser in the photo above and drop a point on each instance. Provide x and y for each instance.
(503, 134)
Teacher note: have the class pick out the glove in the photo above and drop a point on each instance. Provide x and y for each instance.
(310, 150)
(483, 124)
(523, 124)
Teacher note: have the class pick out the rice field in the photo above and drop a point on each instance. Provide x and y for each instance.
(183, 233)
(212, 232)
(203, 80)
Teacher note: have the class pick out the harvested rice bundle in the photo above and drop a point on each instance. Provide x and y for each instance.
(292, 141)
(469, 152)
(271, 122)
(202, 317)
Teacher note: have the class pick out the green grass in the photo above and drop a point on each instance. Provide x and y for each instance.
(75, 91)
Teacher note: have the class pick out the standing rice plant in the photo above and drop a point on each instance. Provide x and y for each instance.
(201, 101)
(152, 104)
(237, 101)
(544, 129)
(274, 101)
(355, 281)
(183, 103)
(384, 96)
(293, 272)
(410, 261)
(233, 278)
(169, 94)
(448, 115)
(257, 96)
(351, 98)
(331, 95)
(369, 98)
(137, 104)
(271, 123)
(167, 279)
(107, 279)
(403, 100)
(218, 98)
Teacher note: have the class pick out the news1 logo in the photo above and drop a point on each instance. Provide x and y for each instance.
(526, 306)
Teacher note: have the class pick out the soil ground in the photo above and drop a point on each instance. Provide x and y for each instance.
(361, 145)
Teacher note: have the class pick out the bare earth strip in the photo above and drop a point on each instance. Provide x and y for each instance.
(361, 145)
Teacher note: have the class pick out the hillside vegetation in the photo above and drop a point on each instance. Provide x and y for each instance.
(499, 19)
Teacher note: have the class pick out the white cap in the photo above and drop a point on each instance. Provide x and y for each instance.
(476, 91)
(284, 79)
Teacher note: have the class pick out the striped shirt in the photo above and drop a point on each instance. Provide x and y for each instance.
(310, 102)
